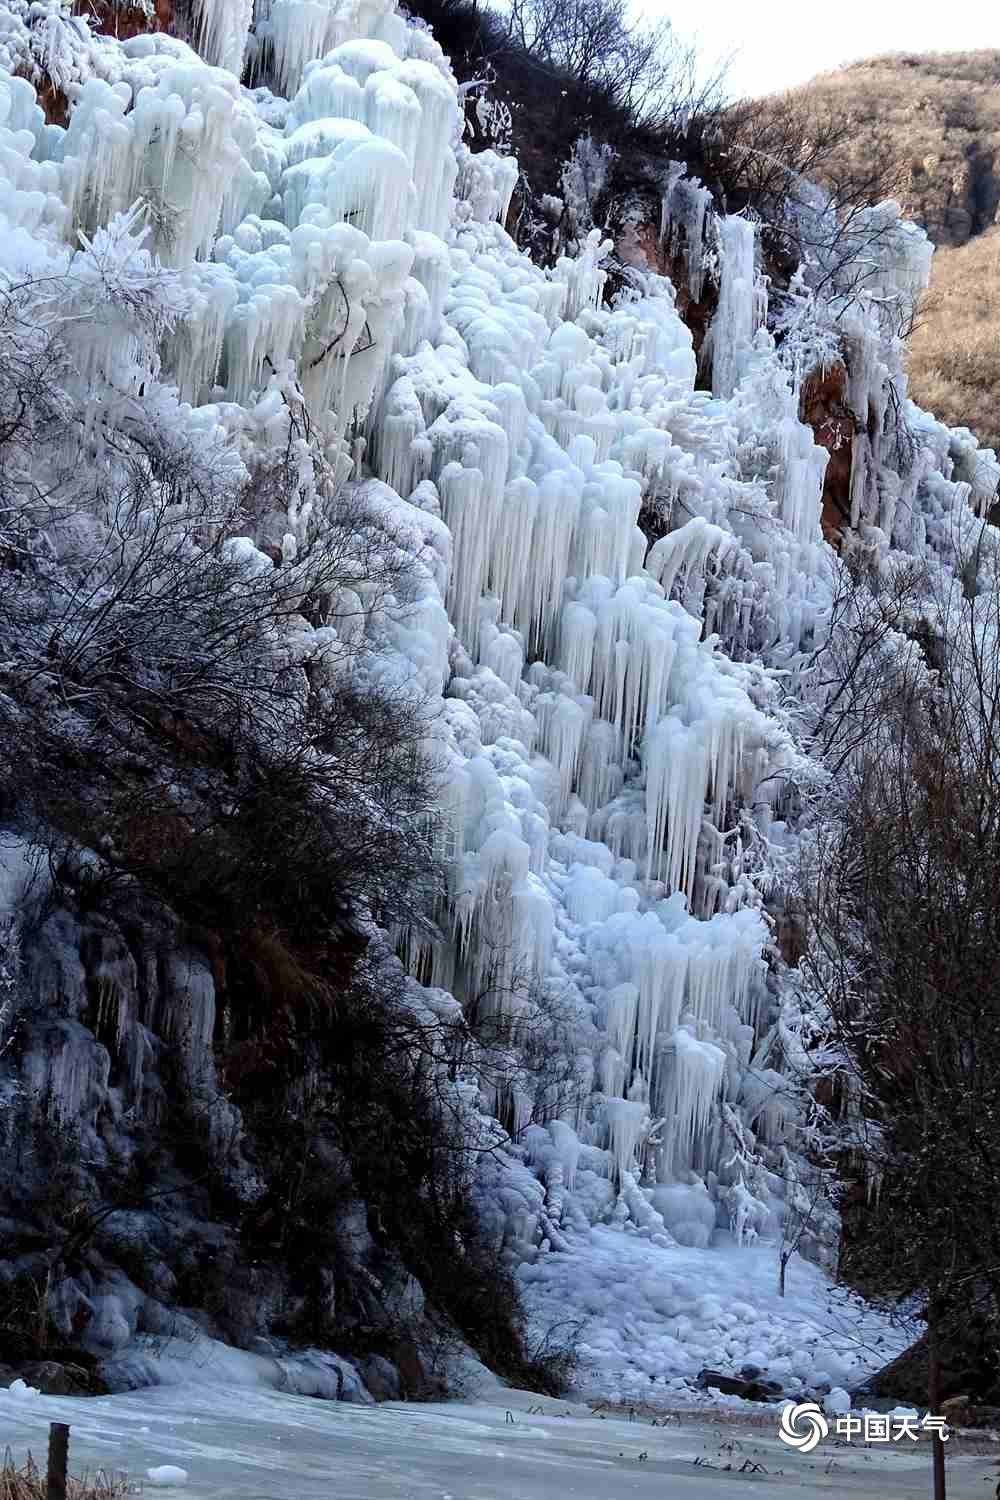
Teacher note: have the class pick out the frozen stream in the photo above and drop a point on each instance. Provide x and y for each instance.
(256, 1445)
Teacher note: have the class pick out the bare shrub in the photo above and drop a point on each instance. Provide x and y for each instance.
(898, 889)
(152, 708)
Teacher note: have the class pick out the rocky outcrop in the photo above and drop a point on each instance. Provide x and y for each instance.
(138, 1205)
(59, 1378)
(641, 244)
(824, 407)
(750, 1384)
(124, 20)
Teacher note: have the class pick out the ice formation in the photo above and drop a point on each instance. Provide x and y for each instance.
(166, 1476)
(609, 712)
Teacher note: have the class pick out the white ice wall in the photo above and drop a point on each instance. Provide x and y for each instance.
(614, 741)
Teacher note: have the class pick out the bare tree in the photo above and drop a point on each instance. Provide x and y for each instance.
(154, 707)
(899, 899)
(803, 1200)
(643, 69)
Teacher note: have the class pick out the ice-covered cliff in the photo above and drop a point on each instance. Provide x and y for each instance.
(617, 708)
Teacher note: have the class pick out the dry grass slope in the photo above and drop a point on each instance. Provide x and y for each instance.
(955, 348)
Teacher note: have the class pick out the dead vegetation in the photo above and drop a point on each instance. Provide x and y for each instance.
(27, 1482)
(955, 348)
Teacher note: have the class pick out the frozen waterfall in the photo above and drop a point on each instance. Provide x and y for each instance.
(608, 712)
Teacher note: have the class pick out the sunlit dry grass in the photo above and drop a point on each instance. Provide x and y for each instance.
(955, 348)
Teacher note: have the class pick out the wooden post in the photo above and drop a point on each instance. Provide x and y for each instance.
(934, 1399)
(55, 1488)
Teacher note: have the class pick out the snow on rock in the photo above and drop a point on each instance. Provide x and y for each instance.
(21, 1391)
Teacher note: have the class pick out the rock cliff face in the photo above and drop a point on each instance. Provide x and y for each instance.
(133, 1185)
(834, 426)
(641, 244)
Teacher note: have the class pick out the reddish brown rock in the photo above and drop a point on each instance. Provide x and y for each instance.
(641, 245)
(124, 21)
(824, 408)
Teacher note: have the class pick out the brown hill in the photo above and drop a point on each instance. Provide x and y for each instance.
(933, 118)
(955, 347)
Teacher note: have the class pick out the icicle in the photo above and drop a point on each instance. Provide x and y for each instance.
(740, 310)
(626, 1121)
(224, 26)
(684, 208)
(693, 1079)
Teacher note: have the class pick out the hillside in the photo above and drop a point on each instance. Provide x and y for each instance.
(934, 119)
(955, 345)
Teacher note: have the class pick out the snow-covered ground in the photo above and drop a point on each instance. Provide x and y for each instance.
(256, 1445)
(650, 1317)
